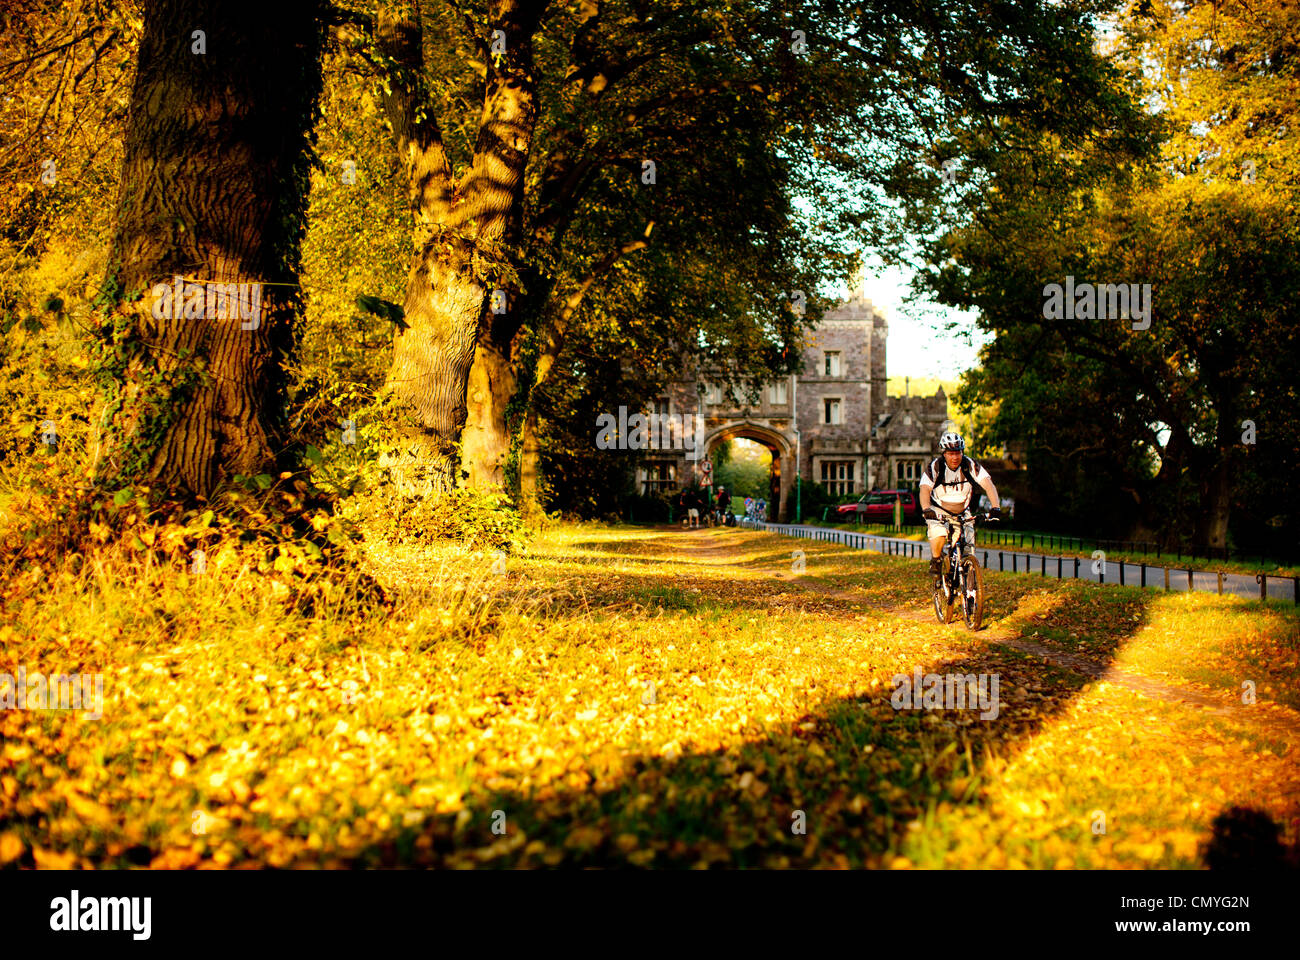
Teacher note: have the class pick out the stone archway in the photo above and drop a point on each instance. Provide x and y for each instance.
(781, 482)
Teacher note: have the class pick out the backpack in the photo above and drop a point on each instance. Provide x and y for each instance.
(937, 468)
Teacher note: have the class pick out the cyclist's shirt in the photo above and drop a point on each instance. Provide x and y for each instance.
(950, 490)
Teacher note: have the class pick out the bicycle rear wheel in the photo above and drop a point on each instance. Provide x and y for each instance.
(972, 600)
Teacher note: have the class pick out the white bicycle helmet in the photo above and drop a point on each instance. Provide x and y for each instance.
(952, 441)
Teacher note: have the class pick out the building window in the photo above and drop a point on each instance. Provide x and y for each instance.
(660, 477)
(909, 473)
(838, 477)
(832, 363)
(778, 393)
(713, 393)
(831, 410)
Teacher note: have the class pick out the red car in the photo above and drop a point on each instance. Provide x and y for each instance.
(878, 507)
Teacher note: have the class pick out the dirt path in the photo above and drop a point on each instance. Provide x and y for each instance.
(1277, 721)
(1272, 719)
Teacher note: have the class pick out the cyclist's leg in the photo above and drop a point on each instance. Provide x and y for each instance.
(938, 536)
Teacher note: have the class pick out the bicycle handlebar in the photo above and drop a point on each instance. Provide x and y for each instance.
(945, 517)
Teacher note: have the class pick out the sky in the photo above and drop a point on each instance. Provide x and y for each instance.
(918, 345)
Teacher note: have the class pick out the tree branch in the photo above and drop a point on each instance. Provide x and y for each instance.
(554, 332)
(419, 139)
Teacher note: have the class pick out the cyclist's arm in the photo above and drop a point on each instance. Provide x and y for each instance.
(927, 485)
(984, 480)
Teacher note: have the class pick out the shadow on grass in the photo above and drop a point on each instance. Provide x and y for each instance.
(858, 776)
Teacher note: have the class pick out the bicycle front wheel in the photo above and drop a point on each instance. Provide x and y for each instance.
(942, 604)
(972, 600)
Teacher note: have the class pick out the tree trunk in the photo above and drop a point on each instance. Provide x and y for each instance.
(530, 469)
(554, 324)
(1216, 486)
(1160, 507)
(214, 188)
(431, 364)
(467, 229)
(1216, 500)
(493, 382)
(531, 493)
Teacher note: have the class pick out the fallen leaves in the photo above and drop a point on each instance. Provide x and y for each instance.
(393, 739)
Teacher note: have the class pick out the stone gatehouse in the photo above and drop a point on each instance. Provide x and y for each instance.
(834, 419)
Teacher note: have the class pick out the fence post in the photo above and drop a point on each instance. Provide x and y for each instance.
(1262, 580)
(1121, 573)
(1102, 576)
(1013, 562)
(1076, 568)
(1189, 578)
(1220, 581)
(1166, 578)
(1043, 571)
(1000, 557)
(1058, 568)
(1144, 574)
(986, 558)
(1295, 590)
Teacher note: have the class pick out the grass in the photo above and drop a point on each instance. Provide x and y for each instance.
(989, 537)
(628, 696)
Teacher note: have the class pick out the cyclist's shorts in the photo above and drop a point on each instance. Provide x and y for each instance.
(936, 530)
(693, 513)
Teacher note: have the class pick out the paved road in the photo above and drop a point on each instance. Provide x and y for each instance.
(1041, 564)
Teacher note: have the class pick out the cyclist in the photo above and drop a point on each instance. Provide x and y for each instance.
(947, 484)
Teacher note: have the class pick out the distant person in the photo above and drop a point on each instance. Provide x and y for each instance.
(947, 484)
(693, 506)
(762, 510)
(749, 508)
(723, 504)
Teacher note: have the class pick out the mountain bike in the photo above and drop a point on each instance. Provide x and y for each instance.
(962, 580)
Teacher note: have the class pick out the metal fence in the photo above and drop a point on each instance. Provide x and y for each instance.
(1055, 541)
(1122, 572)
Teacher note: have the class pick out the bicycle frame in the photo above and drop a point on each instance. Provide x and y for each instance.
(956, 527)
(962, 577)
